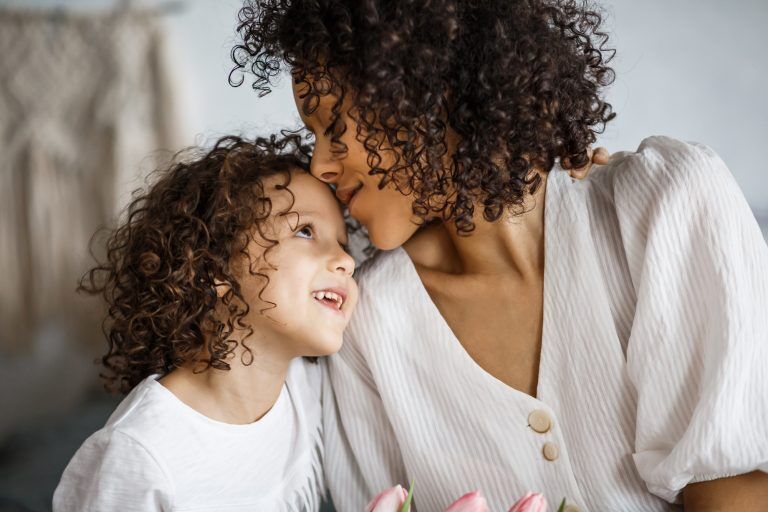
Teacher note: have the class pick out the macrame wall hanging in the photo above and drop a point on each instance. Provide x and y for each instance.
(86, 100)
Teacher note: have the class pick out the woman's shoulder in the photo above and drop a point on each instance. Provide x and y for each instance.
(385, 284)
(664, 168)
(667, 198)
(382, 273)
(304, 380)
(668, 182)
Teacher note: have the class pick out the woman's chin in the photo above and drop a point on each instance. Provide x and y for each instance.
(388, 239)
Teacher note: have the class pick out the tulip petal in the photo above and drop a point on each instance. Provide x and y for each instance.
(389, 500)
(470, 502)
(531, 502)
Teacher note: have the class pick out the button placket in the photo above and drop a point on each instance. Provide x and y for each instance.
(541, 422)
(552, 449)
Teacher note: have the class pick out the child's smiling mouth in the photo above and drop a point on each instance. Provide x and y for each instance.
(332, 298)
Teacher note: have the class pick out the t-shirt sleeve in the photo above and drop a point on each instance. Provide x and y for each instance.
(112, 471)
(698, 348)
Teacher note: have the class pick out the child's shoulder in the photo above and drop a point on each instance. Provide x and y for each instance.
(125, 441)
(145, 415)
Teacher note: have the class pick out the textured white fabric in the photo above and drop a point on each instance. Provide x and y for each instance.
(655, 341)
(156, 453)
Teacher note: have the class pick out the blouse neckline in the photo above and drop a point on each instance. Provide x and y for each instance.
(436, 317)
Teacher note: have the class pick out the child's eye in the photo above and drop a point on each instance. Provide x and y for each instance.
(305, 232)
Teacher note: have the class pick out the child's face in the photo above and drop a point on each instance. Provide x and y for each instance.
(310, 262)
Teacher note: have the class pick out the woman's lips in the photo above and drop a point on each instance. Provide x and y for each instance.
(346, 195)
(352, 198)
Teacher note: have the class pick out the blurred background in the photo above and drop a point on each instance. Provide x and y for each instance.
(94, 93)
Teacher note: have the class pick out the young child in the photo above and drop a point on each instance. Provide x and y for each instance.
(226, 272)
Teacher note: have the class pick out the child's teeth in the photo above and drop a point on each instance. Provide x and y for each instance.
(330, 296)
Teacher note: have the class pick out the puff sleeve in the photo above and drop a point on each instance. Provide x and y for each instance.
(698, 349)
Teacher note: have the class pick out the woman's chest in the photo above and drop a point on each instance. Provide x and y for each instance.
(498, 322)
(475, 362)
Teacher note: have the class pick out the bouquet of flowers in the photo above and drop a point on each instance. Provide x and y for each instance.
(396, 499)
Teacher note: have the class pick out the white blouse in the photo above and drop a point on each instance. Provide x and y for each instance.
(653, 362)
(158, 454)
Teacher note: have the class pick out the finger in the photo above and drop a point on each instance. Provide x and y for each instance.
(582, 172)
(601, 156)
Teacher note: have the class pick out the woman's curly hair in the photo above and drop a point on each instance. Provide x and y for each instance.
(518, 81)
(178, 246)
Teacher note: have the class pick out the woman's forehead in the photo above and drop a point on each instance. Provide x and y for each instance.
(322, 98)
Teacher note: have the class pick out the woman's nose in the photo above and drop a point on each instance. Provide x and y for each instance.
(323, 165)
(329, 177)
(323, 171)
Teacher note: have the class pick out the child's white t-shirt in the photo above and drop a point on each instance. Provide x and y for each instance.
(157, 453)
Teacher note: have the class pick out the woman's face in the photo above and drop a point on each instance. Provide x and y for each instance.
(386, 213)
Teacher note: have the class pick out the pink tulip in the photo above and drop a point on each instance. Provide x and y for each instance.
(390, 500)
(531, 502)
(470, 502)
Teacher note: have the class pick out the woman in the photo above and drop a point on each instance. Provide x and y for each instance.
(599, 341)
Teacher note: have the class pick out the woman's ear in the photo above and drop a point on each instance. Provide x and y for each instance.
(222, 288)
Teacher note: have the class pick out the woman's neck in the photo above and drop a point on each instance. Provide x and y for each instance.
(243, 394)
(512, 244)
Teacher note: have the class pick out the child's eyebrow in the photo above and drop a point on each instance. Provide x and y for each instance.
(308, 213)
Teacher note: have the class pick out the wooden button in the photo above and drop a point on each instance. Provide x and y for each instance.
(550, 451)
(571, 508)
(540, 421)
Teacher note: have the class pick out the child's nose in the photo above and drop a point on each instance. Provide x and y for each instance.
(344, 263)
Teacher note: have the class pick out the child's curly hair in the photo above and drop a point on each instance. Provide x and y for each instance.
(177, 245)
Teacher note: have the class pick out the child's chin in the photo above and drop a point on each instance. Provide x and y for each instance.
(326, 347)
